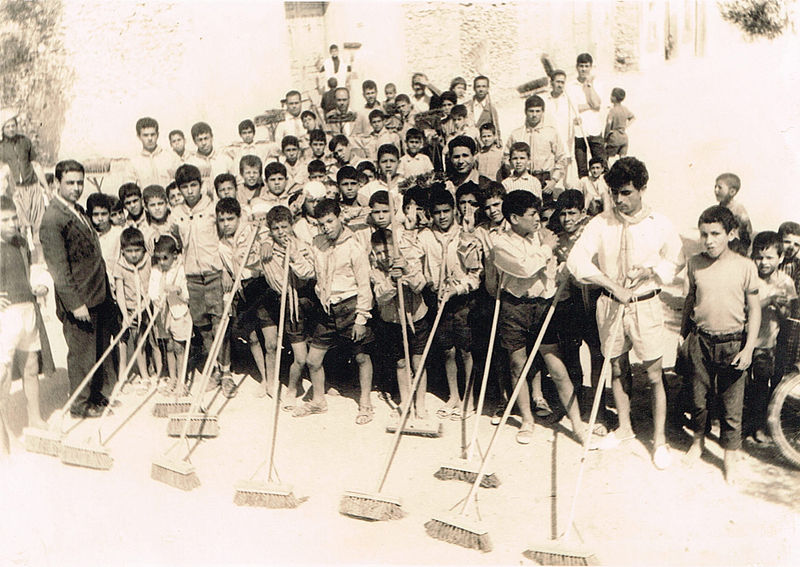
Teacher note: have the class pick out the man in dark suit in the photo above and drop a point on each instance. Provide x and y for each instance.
(83, 298)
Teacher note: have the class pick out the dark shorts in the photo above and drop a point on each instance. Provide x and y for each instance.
(251, 307)
(455, 326)
(390, 338)
(520, 321)
(336, 328)
(205, 298)
(132, 335)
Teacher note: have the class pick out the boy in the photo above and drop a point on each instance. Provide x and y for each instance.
(594, 188)
(775, 292)
(318, 172)
(386, 274)
(388, 161)
(196, 222)
(207, 159)
(341, 266)
(252, 183)
(480, 107)
(158, 221)
(389, 92)
(117, 212)
(721, 309)
(247, 132)
(305, 224)
(461, 154)
(19, 333)
(520, 178)
(353, 212)
(153, 165)
(379, 135)
(131, 282)
(414, 162)
(167, 290)
(490, 158)
(225, 186)
(453, 267)
(298, 294)
(619, 118)
(309, 121)
(98, 207)
(296, 169)
(370, 92)
(461, 124)
(726, 187)
(276, 194)
(524, 257)
(130, 195)
(174, 195)
(177, 141)
(317, 143)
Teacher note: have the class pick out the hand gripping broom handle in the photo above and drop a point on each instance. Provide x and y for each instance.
(406, 408)
(486, 367)
(604, 379)
(218, 338)
(513, 398)
(276, 387)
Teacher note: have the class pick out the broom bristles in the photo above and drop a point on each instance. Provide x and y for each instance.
(86, 455)
(456, 530)
(467, 473)
(375, 507)
(265, 495)
(179, 474)
(42, 441)
(200, 425)
(422, 428)
(166, 409)
(555, 553)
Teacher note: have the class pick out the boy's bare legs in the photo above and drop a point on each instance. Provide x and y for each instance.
(403, 381)
(422, 388)
(566, 392)
(156, 350)
(258, 358)
(123, 360)
(300, 351)
(466, 359)
(451, 370)
(365, 411)
(621, 387)
(30, 384)
(517, 361)
(698, 444)
(729, 465)
(270, 352)
(658, 400)
(317, 373)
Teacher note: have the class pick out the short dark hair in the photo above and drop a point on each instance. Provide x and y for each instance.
(246, 124)
(618, 93)
(414, 133)
(187, 173)
(365, 165)
(731, 180)
(534, 101)
(176, 132)
(368, 84)
(493, 190)
(153, 191)
(440, 196)
(97, 201)
(488, 126)
(571, 199)
(250, 161)
(518, 202)
(449, 96)
(458, 81)
(627, 170)
(167, 244)
(789, 227)
(459, 111)
(67, 166)
(418, 195)
(402, 98)
(116, 204)
(379, 198)
(289, 141)
(274, 168)
(316, 166)
(469, 188)
(520, 147)
(222, 178)
(338, 139)
(376, 113)
(718, 214)
(327, 206)
(557, 72)
(146, 122)
(599, 160)
(127, 190)
(584, 58)
(462, 142)
(293, 92)
(388, 149)
(479, 78)
(130, 237)
(200, 128)
(346, 172)
(381, 236)
(767, 239)
(316, 135)
(228, 205)
(307, 113)
(278, 214)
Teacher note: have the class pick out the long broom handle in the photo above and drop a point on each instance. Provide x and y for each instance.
(487, 365)
(406, 409)
(218, 338)
(276, 386)
(513, 398)
(184, 366)
(604, 379)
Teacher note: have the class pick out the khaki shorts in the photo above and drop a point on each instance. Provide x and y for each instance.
(18, 331)
(642, 328)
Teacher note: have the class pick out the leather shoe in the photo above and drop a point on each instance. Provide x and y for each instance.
(88, 411)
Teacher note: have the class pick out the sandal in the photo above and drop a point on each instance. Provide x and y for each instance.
(525, 434)
(447, 410)
(543, 409)
(364, 415)
(289, 405)
(310, 408)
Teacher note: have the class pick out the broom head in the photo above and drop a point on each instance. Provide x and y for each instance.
(351, 45)
(366, 506)
(457, 529)
(533, 85)
(547, 64)
(421, 427)
(200, 425)
(462, 469)
(264, 494)
(96, 165)
(91, 456)
(554, 552)
(179, 474)
(270, 117)
(42, 441)
(168, 408)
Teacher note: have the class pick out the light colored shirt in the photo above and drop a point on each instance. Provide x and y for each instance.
(558, 114)
(210, 166)
(134, 281)
(233, 252)
(198, 229)
(780, 285)
(487, 235)
(526, 265)
(109, 247)
(525, 182)
(411, 166)
(178, 304)
(373, 142)
(153, 231)
(413, 280)
(596, 190)
(547, 150)
(291, 126)
(153, 168)
(489, 161)
(452, 259)
(593, 121)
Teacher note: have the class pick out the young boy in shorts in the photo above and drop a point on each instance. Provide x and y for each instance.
(414, 162)
(618, 120)
(721, 319)
(157, 213)
(490, 157)
(594, 188)
(19, 333)
(341, 266)
(726, 187)
(520, 178)
(130, 195)
(524, 257)
(453, 267)
(775, 292)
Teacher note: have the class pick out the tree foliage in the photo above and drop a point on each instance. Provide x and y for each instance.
(757, 18)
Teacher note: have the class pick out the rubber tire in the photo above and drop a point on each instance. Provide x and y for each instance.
(789, 452)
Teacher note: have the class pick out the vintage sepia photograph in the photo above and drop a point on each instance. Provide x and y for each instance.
(399, 282)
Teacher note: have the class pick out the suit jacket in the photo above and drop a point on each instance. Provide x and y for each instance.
(489, 114)
(74, 258)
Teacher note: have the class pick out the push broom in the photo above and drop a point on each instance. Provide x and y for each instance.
(464, 468)
(48, 441)
(166, 408)
(94, 454)
(559, 551)
(200, 423)
(180, 473)
(459, 528)
(271, 494)
(376, 505)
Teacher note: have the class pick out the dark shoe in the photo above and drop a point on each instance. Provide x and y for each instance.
(88, 411)
(214, 381)
(228, 387)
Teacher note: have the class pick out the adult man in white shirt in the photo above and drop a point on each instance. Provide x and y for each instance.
(587, 97)
(153, 165)
(292, 125)
(207, 159)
